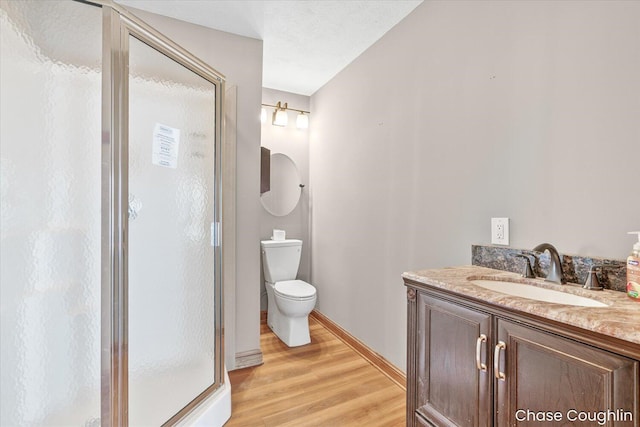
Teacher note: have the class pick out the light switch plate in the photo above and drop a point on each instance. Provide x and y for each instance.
(500, 231)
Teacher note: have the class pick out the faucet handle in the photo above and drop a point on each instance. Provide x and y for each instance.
(592, 281)
(527, 271)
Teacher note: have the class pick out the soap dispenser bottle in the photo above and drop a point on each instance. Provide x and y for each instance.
(633, 270)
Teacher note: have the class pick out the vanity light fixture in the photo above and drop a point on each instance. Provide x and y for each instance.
(281, 118)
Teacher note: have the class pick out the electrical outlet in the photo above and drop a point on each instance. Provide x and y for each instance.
(500, 231)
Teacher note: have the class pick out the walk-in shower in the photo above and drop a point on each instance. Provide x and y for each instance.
(110, 179)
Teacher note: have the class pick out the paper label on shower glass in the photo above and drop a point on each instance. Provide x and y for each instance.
(166, 141)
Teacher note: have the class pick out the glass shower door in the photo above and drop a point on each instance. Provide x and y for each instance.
(171, 258)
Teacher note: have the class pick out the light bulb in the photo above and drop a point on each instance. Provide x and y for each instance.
(302, 121)
(280, 118)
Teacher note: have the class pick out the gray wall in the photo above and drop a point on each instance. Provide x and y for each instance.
(294, 143)
(464, 111)
(240, 60)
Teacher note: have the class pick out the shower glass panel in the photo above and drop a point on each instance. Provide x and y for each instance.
(50, 163)
(171, 333)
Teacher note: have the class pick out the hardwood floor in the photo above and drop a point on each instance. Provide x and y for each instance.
(325, 383)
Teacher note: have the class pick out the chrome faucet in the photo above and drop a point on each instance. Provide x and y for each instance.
(555, 265)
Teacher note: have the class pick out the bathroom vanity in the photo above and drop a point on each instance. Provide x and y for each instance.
(478, 357)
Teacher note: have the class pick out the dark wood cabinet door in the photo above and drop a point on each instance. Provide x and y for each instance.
(451, 390)
(554, 378)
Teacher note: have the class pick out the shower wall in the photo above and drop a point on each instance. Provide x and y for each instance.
(50, 216)
(57, 309)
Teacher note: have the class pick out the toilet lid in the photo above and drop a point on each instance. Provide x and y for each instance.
(295, 289)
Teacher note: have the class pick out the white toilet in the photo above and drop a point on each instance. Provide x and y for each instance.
(289, 300)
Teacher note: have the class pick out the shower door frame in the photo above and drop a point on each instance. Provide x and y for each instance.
(118, 26)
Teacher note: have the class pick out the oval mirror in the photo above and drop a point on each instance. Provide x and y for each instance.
(284, 191)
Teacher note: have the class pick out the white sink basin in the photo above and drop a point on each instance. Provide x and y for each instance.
(536, 293)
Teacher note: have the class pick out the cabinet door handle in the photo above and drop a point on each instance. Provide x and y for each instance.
(496, 361)
(481, 366)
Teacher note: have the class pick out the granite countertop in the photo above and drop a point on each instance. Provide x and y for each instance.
(619, 319)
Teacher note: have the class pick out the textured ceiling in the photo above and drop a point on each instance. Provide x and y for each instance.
(305, 42)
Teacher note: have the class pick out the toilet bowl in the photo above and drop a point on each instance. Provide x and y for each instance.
(287, 314)
(289, 301)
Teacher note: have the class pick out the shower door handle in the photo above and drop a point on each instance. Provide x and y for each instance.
(215, 234)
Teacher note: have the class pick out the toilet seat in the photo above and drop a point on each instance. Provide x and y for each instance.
(297, 290)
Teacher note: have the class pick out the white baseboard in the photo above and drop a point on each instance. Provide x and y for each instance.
(249, 358)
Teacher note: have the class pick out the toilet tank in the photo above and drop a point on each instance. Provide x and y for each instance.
(280, 259)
